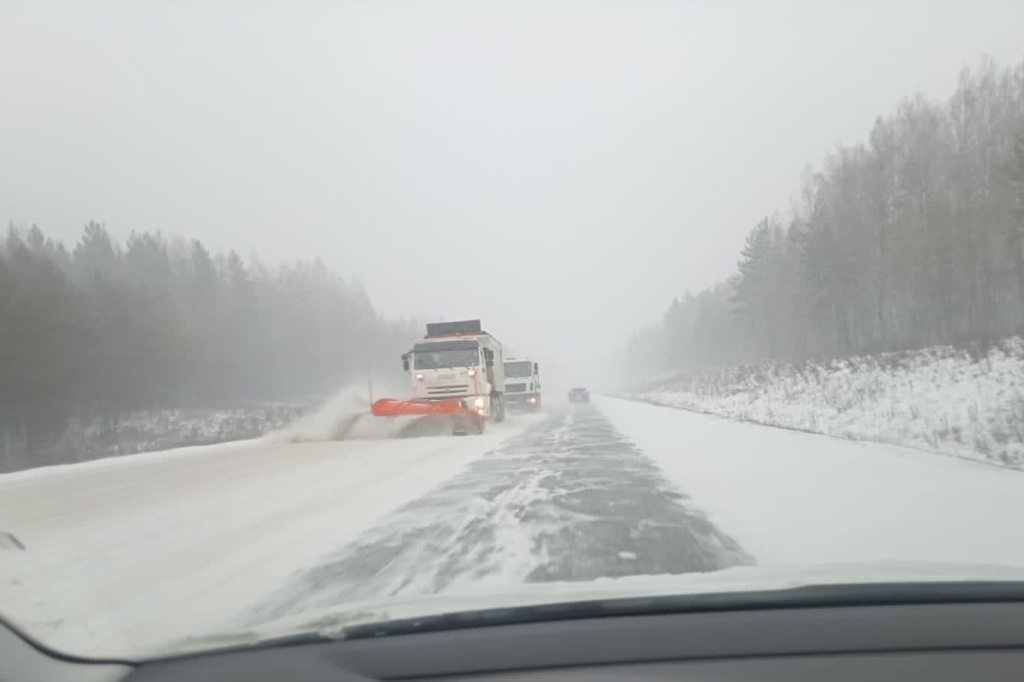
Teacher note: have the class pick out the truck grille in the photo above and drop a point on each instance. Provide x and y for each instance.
(515, 388)
(452, 389)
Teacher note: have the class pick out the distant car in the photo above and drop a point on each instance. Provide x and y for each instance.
(579, 395)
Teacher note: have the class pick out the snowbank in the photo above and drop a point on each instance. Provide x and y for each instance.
(147, 431)
(794, 498)
(299, 421)
(963, 402)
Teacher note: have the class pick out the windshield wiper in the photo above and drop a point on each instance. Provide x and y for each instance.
(810, 596)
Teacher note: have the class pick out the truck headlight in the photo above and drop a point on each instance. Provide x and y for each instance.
(472, 372)
(479, 402)
(419, 377)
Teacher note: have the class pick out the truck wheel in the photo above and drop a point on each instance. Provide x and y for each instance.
(481, 424)
(499, 408)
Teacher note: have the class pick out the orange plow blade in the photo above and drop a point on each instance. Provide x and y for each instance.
(388, 407)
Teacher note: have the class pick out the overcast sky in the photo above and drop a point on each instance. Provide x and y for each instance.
(559, 169)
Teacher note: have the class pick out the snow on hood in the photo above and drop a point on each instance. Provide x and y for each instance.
(330, 622)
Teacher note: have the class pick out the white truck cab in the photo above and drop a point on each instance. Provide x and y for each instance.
(522, 383)
(459, 360)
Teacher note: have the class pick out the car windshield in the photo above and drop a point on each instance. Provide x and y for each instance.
(518, 369)
(445, 359)
(770, 256)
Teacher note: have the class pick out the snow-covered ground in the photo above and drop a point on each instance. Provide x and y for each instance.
(942, 399)
(138, 553)
(127, 553)
(148, 431)
(798, 498)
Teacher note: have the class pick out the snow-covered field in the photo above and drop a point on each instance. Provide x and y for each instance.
(942, 399)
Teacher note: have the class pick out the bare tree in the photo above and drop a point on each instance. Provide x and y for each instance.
(914, 238)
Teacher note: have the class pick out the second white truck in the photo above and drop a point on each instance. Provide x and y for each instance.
(456, 370)
(522, 383)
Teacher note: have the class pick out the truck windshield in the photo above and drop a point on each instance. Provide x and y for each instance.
(518, 369)
(445, 358)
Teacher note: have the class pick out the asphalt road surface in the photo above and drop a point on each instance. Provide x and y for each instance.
(569, 499)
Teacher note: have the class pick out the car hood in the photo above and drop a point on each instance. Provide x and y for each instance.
(332, 622)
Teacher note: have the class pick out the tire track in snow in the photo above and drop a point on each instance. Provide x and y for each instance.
(628, 518)
(569, 499)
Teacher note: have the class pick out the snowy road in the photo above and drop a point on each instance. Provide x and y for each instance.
(127, 552)
(131, 553)
(568, 499)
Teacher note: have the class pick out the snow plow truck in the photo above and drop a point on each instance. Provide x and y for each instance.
(457, 372)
